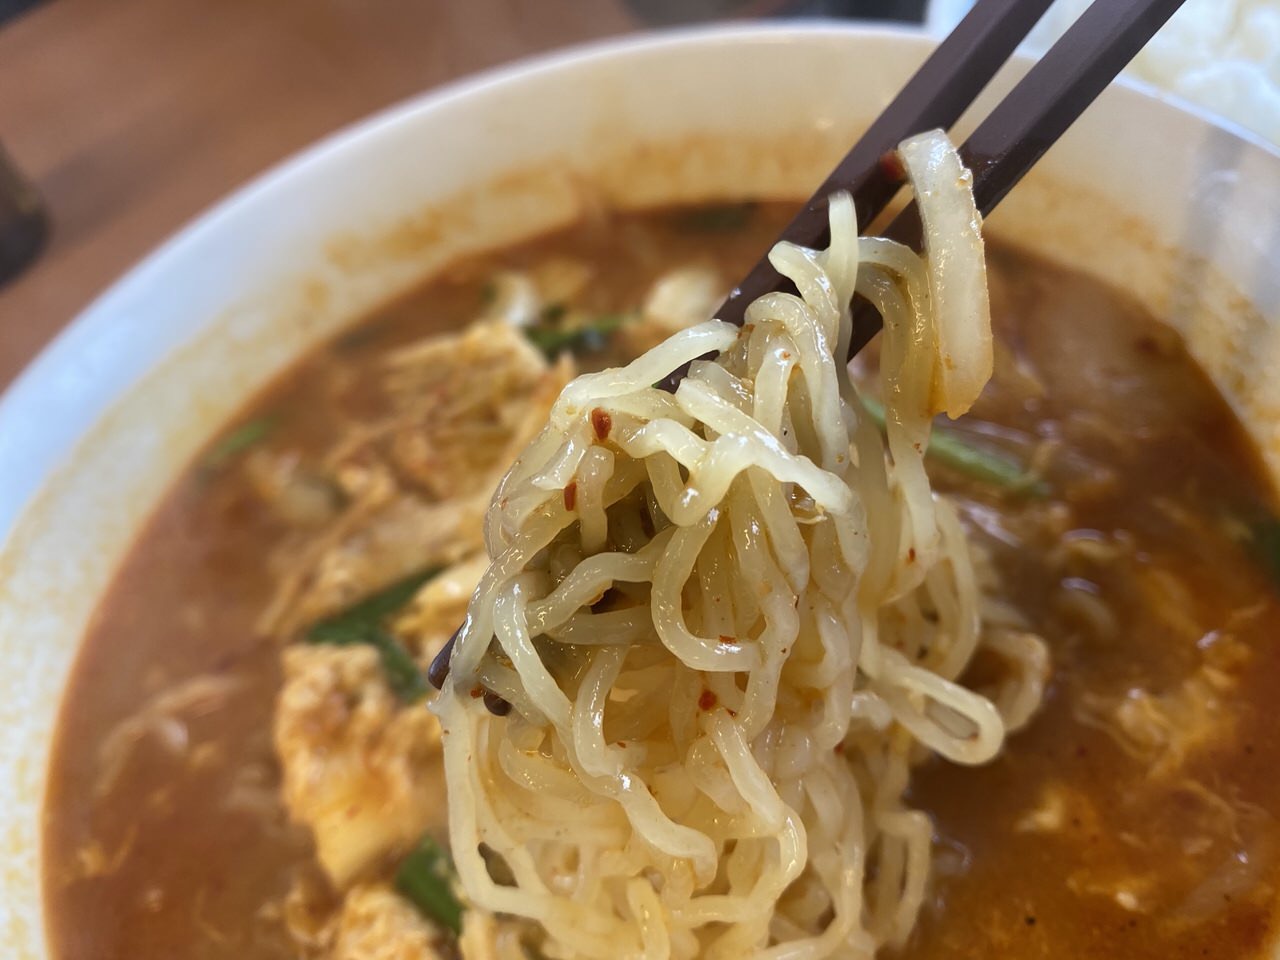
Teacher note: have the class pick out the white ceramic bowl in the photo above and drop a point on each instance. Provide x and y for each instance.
(1141, 192)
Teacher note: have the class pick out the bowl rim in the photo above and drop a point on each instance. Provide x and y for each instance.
(57, 360)
(55, 364)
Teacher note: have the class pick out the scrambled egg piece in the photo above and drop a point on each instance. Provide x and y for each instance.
(361, 769)
(1164, 729)
(376, 923)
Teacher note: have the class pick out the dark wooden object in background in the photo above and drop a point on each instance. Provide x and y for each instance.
(11, 8)
(24, 227)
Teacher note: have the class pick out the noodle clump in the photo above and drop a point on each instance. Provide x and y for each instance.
(730, 620)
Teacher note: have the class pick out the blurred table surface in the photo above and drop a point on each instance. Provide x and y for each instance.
(132, 116)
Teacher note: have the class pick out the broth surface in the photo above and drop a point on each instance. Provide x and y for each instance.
(1135, 816)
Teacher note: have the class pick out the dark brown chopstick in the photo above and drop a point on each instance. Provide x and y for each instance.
(940, 91)
(1000, 152)
(936, 95)
(1051, 97)
(1036, 112)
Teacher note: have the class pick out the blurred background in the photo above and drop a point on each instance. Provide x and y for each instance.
(121, 120)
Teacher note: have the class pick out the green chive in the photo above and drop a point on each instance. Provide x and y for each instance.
(231, 445)
(363, 624)
(372, 610)
(947, 448)
(1258, 532)
(426, 879)
(553, 341)
(716, 218)
(362, 335)
(403, 676)
(1264, 538)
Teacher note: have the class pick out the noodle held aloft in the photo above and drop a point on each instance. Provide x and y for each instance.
(730, 620)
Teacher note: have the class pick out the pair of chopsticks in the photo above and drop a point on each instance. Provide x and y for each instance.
(999, 152)
(1016, 134)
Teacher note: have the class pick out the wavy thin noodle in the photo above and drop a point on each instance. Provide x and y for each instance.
(728, 648)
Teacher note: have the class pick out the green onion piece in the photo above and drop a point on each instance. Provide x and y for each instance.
(1265, 540)
(403, 676)
(553, 341)
(1261, 537)
(426, 878)
(401, 670)
(949, 449)
(716, 218)
(361, 335)
(231, 445)
(362, 624)
(372, 610)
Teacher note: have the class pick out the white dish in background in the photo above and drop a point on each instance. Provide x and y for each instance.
(1183, 213)
(1222, 55)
